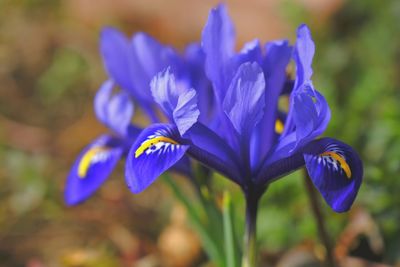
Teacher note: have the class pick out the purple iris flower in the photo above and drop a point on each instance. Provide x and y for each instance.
(130, 63)
(244, 134)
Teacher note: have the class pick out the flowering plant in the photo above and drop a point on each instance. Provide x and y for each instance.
(219, 107)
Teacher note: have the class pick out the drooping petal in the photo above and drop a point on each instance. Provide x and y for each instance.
(218, 41)
(303, 55)
(155, 150)
(92, 167)
(178, 103)
(117, 56)
(336, 171)
(244, 101)
(115, 111)
(219, 156)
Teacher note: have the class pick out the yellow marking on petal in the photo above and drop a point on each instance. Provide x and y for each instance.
(148, 143)
(341, 160)
(279, 126)
(86, 160)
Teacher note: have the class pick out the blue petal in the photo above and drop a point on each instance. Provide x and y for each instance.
(186, 112)
(218, 41)
(195, 59)
(101, 100)
(149, 58)
(92, 168)
(117, 56)
(120, 112)
(219, 155)
(179, 103)
(114, 111)
(244, 101)
(336, 171)
(154, 151)
(274, 66)
(303, 55)
(311, 114)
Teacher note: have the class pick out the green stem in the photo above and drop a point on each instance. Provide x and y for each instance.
(319, 219)
(250, 241)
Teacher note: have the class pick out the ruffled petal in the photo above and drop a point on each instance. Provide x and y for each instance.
(156, 150)
(92, 167)
(178, 103)
(336, 171)
(115, 111)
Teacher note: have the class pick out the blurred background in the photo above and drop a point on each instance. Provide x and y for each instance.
(50, 68)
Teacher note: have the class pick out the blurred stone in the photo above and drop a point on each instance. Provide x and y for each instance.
(178, 245)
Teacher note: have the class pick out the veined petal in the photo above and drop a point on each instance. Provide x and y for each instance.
(114, 111)
(179, 103)
(303, 55)
(117, 56)
(154, 151)
(92, 168)
(244, 101)
(218, 41)
(336, 171)
(165, 92)
(186, 112)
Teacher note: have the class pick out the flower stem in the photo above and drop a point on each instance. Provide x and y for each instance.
(250, 241)
(316, 209)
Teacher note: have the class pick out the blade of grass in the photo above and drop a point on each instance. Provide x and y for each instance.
(231, 248)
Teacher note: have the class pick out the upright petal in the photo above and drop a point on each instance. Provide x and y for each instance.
(218, 41)
(117, 56)
(155, 150)
(244, 101)
(164, 91)
(149, 58)
(303, 55)
(274, 66)
(178, 103)
(186, 112)
(92, 168)
(336, 171)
